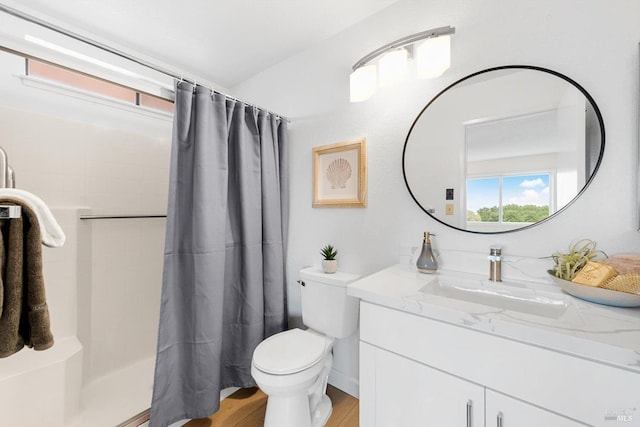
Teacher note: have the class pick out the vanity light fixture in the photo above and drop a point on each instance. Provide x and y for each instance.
(392, 67)
(433, 58)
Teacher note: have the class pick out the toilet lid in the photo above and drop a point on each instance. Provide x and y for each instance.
(289, 352)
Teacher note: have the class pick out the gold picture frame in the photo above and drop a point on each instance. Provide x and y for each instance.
(340, 175)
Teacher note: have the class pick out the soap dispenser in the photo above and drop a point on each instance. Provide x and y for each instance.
(427, 262)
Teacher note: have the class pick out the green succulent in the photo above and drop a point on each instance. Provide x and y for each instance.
(329, 253)
(580, 253)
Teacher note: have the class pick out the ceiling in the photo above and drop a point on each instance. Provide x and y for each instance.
(222, 41)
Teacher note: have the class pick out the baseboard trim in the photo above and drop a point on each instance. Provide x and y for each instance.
(345, 383)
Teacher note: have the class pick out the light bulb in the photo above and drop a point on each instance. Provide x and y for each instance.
(392, 67)
(363, 83)
(433, 57)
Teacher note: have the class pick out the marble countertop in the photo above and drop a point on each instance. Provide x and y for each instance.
(595, 332)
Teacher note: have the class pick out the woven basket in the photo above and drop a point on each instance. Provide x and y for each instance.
(629, 283)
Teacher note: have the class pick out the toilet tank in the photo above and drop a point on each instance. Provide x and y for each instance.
(326, 307)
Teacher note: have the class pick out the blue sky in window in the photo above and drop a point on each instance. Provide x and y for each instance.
(526, 190)
(521, 190)
(483, 193)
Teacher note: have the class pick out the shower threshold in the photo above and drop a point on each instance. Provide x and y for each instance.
(137, 420)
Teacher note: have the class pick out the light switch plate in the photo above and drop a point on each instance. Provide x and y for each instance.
(449, 194)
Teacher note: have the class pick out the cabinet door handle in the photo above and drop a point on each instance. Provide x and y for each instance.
(469, 410)
(499, 420)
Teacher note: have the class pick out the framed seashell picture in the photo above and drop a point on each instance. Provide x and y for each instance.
(340, 175)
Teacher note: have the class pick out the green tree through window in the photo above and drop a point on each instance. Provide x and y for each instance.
(506, 199)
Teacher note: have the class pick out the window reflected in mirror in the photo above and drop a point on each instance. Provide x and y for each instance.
(516, 200)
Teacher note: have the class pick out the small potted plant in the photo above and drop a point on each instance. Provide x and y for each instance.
(329, 262)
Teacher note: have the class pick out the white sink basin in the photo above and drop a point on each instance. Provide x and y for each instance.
(502, 295)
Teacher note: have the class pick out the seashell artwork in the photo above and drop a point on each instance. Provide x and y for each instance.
(338, 173)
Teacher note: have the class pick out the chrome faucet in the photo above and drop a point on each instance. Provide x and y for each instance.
(495, 263)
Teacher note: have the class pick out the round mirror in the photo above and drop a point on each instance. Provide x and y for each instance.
(503, 149)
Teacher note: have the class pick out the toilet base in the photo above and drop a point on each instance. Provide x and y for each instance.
(322, 413)
(293, 411)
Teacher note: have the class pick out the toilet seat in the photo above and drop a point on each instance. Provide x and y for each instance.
(290, 352)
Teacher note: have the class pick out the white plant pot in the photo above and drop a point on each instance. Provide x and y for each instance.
(329, 266)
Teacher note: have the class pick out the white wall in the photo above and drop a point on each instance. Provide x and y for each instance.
(591, 41)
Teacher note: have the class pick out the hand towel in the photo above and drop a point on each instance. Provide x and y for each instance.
(25, 315)
(51, 232)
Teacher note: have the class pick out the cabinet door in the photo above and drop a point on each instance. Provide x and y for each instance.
(399, 392)
(505, 411)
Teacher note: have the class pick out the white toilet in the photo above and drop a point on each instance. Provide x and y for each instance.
(292, 367)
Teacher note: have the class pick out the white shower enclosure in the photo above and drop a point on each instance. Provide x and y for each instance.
(103, 286)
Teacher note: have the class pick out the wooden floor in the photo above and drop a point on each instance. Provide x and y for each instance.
(246, 408)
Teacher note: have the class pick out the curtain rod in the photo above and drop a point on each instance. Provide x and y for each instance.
(35, 20)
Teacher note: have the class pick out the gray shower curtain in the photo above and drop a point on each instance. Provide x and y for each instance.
(223, 286)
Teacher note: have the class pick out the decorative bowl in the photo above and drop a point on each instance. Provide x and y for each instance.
(597, 295)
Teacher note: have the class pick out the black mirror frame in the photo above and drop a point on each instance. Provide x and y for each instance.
(505, 67)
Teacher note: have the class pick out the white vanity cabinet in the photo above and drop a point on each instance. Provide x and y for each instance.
(505, 411)
(396, 391)
(420, 371)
